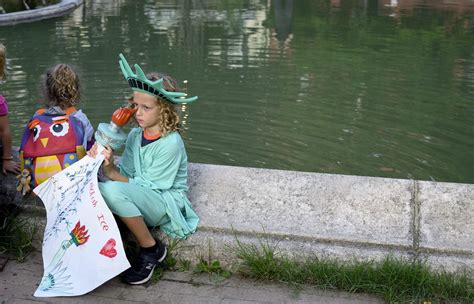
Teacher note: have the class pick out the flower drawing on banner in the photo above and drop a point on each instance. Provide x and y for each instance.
(56, 280)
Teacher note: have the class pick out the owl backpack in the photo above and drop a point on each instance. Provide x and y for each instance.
(50, 143)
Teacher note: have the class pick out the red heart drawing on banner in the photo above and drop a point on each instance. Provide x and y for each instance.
(109, 249)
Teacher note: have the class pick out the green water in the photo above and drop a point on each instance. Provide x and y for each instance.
(348, 87)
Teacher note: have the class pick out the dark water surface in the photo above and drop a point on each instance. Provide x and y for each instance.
(378, 88)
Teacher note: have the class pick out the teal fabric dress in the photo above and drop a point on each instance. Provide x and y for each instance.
(157, 187)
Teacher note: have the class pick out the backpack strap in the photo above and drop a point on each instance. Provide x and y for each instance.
(70, 110)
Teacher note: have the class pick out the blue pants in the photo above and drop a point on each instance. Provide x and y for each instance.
(130, 200)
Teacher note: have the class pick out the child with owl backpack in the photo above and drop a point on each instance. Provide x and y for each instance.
(59, 134)
(149, 185)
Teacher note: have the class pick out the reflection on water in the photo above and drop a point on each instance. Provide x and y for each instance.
(380, 88)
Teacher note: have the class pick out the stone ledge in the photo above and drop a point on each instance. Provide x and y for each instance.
(337, 216)
(56, 10)
(328, 215)
(446, 216)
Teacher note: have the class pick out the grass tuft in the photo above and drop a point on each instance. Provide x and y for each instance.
(16, 233)
(395, 279)
(212, 267)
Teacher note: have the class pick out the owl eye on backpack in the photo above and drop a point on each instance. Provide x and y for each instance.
(50, 143)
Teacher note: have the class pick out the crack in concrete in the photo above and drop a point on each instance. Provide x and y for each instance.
(416, 219)
(280, 237)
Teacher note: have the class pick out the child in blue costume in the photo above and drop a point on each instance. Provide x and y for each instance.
(149, 186)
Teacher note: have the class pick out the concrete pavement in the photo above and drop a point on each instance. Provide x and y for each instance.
(18, 282)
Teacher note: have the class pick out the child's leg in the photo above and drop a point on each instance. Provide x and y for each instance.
(139, 229)
(129, 242)
(136, 206)
(152, 252)
(130, 200)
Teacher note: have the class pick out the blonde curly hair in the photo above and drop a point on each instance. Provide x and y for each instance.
(61, 86)
(169, 118)
(3, 61)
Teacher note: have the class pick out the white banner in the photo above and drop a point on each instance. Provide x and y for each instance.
(82, 247)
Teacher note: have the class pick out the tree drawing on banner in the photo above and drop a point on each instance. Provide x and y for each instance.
(70, 194)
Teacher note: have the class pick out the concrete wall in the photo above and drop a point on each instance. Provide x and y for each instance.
(329, 215)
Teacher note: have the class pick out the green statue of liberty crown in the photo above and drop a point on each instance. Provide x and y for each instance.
(139, 82)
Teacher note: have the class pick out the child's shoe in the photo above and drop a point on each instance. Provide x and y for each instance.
(146, 263)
